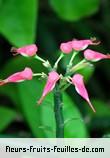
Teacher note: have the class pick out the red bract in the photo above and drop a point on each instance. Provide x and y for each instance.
(66, 47)
(79, 45)
(26, 74)
(95, 56)
(29, 50)
(78, 82)
(53, 77)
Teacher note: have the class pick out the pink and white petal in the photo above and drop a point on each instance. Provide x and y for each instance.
(53, 77)
(78, 82)
(94, 55)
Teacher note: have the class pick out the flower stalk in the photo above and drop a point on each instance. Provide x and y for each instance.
(39, 58)
(71, 61)
(58, 104)
(78, 66)
(72, 58)
(58, 60)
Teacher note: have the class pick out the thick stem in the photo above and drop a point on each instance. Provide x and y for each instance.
(58, 103)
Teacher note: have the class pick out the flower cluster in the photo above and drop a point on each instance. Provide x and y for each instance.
(89, 55)
(71, 76)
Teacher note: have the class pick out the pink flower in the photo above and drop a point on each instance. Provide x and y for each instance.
(29, 50)
(26, 74)
(66, 47)
(52, 79)
(79, 45)
(78, 82)
(95, 56)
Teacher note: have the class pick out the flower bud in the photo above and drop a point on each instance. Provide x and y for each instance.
(53, 77)
(66, 47)
(95, 56)
(29, 50)
(26, 74)
(78, 82)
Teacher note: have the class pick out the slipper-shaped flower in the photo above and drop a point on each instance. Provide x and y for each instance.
(66, 47)
(29, 50)
(26, 74)
(53, 77)
(79, 45)
(77, 81)
(95, 56)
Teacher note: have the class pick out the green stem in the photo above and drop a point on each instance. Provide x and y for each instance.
(71, 61)
(58, 103)
(72, 58)
(56, 63)
(44, 62)
(77, 66)
(65, 87)
(39, 58)
(37, 74)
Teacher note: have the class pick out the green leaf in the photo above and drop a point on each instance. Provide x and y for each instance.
(74, 126)
(19, 63)
(73, 10)
(106, 135)
(18, 20)
(6, 136)
(7, 116)
(87, 72)
(101, 119)
(102, 109)
(41, 118)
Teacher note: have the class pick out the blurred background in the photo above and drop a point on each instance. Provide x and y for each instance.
(48, 23)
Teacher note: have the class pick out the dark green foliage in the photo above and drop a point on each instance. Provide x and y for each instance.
(57, 21)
